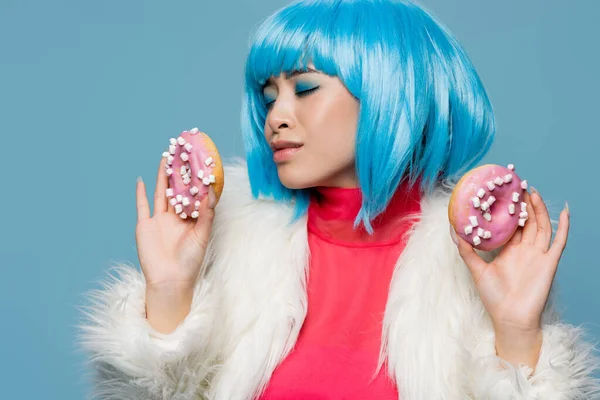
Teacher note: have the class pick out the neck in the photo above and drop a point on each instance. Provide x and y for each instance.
(333, 210)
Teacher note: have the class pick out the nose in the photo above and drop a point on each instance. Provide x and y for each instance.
(281, 116)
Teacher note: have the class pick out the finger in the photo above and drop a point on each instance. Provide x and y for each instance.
(530, 228)
(473, 261)
(162, 183)
(143, 209)
(544, 227)
(560, 239)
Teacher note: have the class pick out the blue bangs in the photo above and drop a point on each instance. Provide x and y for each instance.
(424, 112)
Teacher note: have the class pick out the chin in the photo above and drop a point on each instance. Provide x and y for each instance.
(294, 177)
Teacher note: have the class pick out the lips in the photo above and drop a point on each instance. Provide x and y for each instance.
(284, 144)
(284, 151)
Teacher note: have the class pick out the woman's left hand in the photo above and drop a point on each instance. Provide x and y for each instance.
(515, 286)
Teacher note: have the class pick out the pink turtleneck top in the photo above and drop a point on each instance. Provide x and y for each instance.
(336, 354)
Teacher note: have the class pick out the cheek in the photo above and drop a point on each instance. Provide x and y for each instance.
(332, 135)
(267, 132)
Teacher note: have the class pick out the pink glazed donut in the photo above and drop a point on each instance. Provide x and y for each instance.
(487, 207)
(193, 164)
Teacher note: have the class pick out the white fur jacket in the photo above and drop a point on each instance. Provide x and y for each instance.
(250, 302)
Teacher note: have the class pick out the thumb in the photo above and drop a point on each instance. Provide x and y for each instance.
(473, 261)
(203, 225)
(453, 234)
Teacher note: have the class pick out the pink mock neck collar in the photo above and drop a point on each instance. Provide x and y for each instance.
(332, 211)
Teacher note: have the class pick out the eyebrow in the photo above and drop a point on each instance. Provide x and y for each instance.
(292, 74)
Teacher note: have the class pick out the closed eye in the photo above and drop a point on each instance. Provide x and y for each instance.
(307, 92)
(300, 94)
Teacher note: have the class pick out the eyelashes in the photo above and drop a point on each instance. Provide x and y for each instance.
(300, 94)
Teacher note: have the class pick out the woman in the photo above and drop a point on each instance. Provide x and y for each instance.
(327, 269)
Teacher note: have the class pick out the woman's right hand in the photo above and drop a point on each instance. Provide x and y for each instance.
(171, 249)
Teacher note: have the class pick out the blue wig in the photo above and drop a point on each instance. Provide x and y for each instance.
(424, 114)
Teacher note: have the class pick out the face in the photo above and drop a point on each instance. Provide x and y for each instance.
(311, 125)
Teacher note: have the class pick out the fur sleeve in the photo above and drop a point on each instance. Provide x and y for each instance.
(564, 370)
(131, 360)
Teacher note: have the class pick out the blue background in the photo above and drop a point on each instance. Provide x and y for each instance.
(90, 92)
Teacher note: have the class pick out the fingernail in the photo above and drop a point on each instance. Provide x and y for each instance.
(567, 208)
(212, 197)
(139, 178)
(533, 190)
(453, 235)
